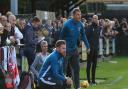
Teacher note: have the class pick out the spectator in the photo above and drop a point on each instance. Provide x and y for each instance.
(40, 33)
(1, 32)
(39, 60)
(21, 25)
(30, 39)
(16, 35)
(3, 20)
(55, 32)
(8, 14)
(1, 28)
(5, 36)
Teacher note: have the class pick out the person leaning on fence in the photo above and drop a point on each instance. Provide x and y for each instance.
(16, 35)
(51, 75)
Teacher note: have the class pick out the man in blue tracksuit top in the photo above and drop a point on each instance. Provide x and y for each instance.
(51, 75)
(73, 30)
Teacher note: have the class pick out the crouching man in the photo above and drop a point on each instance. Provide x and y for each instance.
(51, 75)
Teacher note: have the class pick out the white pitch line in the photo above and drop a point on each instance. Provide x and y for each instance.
(116, 80)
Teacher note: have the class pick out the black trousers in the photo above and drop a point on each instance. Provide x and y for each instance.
(46, 86)
(91, 65)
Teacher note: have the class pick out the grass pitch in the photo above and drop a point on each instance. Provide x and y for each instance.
(111, 74)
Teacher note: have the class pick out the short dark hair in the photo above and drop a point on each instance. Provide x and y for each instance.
(75, 10)
(59, 43)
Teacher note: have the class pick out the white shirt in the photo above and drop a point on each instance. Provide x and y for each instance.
(18, 34)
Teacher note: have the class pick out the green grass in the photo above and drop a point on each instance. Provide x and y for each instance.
(115, 74)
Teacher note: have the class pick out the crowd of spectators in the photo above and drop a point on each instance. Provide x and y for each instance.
(29, 34)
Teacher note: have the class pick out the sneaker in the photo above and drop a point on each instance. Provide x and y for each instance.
(93, 84)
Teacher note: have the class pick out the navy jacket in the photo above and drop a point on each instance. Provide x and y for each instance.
(30, 39)
(93, 34)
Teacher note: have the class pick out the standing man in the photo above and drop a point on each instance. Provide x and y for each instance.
(51, 75)
(93, 33)
(30, 39)
(73, 30)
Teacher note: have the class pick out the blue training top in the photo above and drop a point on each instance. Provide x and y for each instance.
(71, 32)
(51, 72)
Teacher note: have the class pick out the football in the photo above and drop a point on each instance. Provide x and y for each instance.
(84, 84)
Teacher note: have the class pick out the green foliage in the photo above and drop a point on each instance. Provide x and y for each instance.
(83, 8)
(24, 6)
(4, 2)
(93, 7)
